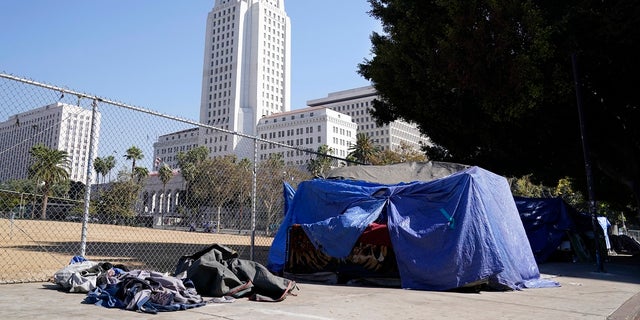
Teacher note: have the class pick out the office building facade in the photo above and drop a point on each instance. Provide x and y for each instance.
(356, 103)
(305, 129)
(58, 126)
(166, 149)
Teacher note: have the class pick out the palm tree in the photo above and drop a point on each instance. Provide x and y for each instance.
(99, 167)
(133, 153)
(109, 164)
(364, 149)
(321, 163)
(50, 166)
(165, 174)
(139, 173)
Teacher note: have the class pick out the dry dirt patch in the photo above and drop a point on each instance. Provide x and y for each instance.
(32, 250)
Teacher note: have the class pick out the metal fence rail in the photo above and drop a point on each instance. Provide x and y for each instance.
(118, 201)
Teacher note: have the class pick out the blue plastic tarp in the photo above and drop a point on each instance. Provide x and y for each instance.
(546, 222)
(445, 233)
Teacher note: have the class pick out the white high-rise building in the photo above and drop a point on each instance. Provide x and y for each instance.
(357, 103)
(57, 126)
(246, 71)
(306, 129)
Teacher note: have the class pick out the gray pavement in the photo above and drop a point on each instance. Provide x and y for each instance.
(584, 294)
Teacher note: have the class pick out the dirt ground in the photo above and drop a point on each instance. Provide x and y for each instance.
(33, 250)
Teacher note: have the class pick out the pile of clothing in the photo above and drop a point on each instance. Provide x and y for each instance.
(114, 286)
(215, 272)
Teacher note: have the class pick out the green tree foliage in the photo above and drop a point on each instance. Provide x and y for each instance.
(119, 200)
(109, 164)
(364, 150)
(99, 165)
(139, 174)
(404, 153)
(242, 182)
(293, 175)
(188, 163)
(165, 174)
(321, 164)
(270, 176)
(213, 183)
(76, 190)
(16, 194)
(524, 187)
(12, 194)
(566, 189)
(133, 153)
(49, 167)
(492, 84)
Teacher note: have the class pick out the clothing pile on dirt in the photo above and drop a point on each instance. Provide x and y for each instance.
(215, 272)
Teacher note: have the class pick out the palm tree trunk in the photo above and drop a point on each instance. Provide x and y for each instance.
(163, 205)
(218, 222)
(44, 207)
(45, 199)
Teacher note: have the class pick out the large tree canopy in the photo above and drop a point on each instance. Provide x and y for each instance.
(492, 84)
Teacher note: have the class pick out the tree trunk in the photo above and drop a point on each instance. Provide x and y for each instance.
(218, 222)
(163, 205)
(267, 228)
(45, 199)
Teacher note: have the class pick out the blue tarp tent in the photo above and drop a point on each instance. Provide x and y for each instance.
(446, 233)
(546, 222)
(550, 221)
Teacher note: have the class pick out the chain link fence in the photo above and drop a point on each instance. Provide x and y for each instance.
(85, 175)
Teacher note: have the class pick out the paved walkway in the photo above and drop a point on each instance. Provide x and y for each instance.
(584, 294)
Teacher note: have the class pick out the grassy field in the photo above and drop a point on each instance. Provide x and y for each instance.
(33, 250)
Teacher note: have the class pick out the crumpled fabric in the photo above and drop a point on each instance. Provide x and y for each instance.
(217, 271)
(82, 276)
(146, 291)
(112, 286)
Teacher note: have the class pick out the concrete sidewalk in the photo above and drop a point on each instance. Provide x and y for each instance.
(584, 294)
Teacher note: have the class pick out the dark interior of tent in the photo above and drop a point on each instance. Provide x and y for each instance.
(371, 259)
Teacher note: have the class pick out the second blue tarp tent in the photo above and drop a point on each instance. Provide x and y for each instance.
(446, 233)
(548, 222)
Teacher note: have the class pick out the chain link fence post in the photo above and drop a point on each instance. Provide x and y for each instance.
(87, 189)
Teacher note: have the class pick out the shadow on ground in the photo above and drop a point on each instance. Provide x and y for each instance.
(622, 268)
